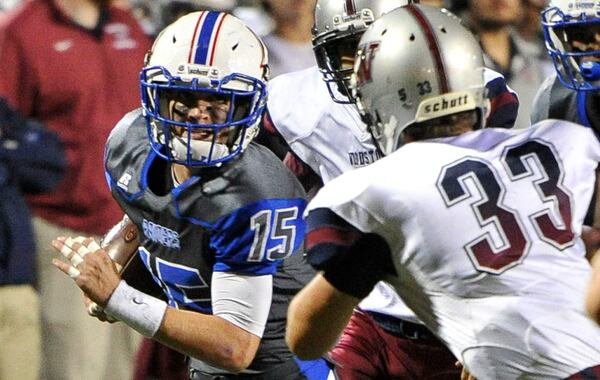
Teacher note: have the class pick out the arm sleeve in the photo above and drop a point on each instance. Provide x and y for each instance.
(352, 261)
(504, 104)
(242, 300)
(541, 102)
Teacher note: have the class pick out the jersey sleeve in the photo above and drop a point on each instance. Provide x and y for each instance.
(504, 102)
(351, 260)
(347, 237)
(254, 239)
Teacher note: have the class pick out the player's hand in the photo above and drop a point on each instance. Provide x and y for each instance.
(89, 266)
(464, 374)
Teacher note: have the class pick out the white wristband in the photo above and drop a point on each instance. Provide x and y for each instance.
(138, 310)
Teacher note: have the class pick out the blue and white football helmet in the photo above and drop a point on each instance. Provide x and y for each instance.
(204, 54)
(566, 22)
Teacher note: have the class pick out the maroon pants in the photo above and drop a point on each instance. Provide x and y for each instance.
(367, 351)
(155, 361)
(592, 373)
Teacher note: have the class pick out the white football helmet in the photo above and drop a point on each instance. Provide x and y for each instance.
(415, 64)
(566, 24)
(337, 29)
(204, 53)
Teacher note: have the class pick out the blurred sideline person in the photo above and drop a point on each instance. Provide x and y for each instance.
(493, 21)
(289, 43)
(219, 217)
(320, 135)
(491, 287)
(74, 66)
(529, 26)
(155, 15)
(31, 161)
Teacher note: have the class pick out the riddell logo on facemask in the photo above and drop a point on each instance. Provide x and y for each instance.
(446, 104)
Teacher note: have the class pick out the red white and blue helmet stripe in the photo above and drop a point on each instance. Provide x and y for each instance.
(206, 35)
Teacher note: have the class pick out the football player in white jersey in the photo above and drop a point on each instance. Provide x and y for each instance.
(327, 137)
(478, 230)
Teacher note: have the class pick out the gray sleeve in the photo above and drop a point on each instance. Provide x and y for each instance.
(541, 103)
(242, 300)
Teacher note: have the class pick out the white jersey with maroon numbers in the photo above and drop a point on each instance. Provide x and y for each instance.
(484, 232)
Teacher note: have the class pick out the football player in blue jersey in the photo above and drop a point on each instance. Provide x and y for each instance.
(219, 217)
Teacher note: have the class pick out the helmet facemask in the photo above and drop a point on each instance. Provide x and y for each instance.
(569, 41)
(231, 108)
(335, 58)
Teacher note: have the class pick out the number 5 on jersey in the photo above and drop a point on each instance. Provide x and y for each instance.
(273, 226)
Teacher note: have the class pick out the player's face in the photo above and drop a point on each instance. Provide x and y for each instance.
(200, 108)
(583, 39)
(346, 49)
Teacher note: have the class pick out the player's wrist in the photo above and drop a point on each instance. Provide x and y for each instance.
(138, 310)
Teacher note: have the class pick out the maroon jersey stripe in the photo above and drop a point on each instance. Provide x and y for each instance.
(434, 47)
(330, 235)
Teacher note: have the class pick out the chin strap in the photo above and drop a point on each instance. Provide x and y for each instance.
(199, 149)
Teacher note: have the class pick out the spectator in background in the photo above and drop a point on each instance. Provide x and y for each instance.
(155, 15)
(505, 52)
(31, 161)
(74, 65)
(289, 43)
(529, 26)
